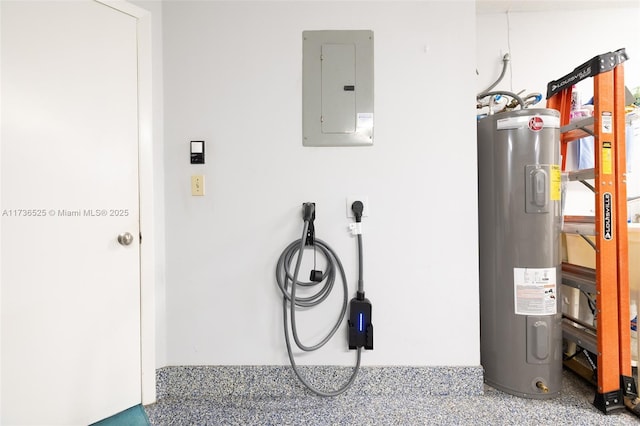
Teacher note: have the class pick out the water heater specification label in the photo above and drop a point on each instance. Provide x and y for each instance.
(534, 291)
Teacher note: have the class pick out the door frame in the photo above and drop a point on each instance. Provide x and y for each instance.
(146, 193)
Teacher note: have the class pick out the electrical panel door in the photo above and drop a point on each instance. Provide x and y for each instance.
(337, 85)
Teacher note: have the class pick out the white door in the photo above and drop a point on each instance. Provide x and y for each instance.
(70, 291)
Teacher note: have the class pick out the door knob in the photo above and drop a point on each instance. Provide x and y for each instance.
(125, 239)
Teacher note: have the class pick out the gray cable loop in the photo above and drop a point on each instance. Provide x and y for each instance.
(287, 282)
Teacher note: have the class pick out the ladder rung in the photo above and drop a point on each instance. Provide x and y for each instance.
(584, 124)
(581, 323)
(583, 174)
(580, 219)
(579, 277)
(582, 225)
(580, 336)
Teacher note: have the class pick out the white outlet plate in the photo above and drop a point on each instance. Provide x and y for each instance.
(351, 199)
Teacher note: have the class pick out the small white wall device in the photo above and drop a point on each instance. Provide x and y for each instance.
(197, 152)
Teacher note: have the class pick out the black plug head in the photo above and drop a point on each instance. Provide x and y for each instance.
(357, 207)
(308, 211)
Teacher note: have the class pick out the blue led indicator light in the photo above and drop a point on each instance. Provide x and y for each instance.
(361, 321)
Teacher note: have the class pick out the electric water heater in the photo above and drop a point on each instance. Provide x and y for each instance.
(519, 189)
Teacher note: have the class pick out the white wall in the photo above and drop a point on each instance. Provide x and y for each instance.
(232, 74)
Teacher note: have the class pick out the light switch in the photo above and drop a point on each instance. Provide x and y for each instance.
(197, 185)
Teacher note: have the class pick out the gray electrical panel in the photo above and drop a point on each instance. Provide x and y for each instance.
(337, 88)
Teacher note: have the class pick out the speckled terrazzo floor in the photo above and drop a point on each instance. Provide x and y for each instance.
(189, 397)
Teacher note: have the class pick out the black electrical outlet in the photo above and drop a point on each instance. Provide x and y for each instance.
(360, 326)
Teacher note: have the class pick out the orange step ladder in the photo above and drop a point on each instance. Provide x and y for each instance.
(610, 338)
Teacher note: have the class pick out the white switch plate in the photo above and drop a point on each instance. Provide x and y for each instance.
(353, 198)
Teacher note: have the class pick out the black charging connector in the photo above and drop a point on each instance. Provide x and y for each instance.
(308, 212)
(309, 215)
(360, 326)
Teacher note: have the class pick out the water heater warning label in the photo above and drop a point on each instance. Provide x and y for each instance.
(534, 291)
(555, 182)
